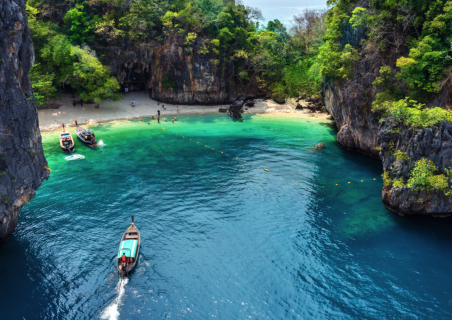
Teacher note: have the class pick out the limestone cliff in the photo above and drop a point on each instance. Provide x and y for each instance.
(350, 102)
(21, 157)
(187, 78)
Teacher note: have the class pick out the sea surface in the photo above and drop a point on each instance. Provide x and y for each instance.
(221, 237)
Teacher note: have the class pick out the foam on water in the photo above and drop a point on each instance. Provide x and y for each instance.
(112, 311)
(74, 157)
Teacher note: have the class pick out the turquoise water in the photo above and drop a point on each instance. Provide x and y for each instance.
(222, 238)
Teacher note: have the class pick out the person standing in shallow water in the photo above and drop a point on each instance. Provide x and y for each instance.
(158, 119)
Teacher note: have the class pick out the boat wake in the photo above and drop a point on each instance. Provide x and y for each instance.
(74, 157)
(101, 143)
(111, 312)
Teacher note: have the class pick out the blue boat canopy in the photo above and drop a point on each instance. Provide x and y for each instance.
(129, 247)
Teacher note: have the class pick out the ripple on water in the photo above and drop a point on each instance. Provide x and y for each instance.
(220, 237)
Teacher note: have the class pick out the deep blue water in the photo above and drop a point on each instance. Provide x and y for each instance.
(222, 238)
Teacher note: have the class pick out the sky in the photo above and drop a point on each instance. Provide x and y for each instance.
(284, 10)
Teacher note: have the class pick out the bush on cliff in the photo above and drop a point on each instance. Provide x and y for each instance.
(424, 177)
(414, 114)
(412, 36)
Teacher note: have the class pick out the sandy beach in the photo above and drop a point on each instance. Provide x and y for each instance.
(51, 119)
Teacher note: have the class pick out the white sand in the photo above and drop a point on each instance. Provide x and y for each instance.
(51, 119)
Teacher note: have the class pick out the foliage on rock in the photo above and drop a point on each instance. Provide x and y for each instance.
(424, 177)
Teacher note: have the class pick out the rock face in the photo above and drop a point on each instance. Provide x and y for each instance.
(358, 127)
(21, 157)
(434, 143)
(350, 102)
(182, 77)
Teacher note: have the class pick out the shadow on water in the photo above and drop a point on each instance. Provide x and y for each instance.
(25, 283)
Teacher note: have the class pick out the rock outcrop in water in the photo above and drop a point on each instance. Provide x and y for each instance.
(350, 102)
(21, 156)
(434, 143)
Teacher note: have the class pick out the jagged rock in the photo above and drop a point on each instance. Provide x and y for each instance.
(21, 156)
(182, 77)
(299, 106)
(434, 143)
(349, 102)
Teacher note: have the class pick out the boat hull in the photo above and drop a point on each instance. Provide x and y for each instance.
(66, 142)
(132, 233)
(70, 149)
(79, 132)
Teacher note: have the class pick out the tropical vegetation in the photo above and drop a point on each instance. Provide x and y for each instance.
(71, 39)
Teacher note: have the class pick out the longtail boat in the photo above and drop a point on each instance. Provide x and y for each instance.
(86, 135)
(66, 141)
(128, 247)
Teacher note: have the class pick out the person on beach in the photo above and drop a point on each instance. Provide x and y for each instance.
(158, 112)
(133, 103)
(164, 119)
(177, 109)
(172, 120)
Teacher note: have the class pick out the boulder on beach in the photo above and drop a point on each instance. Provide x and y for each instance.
(278, 98)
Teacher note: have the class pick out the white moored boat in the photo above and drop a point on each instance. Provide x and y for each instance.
(66, 141)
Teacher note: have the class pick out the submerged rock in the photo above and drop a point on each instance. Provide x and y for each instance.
(22, 159)
(321, 145)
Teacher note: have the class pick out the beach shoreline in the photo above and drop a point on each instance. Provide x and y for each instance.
(52, 119)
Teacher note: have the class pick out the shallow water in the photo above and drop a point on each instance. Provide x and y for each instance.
(220, 237)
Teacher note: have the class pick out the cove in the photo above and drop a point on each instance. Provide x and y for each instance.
(220, 237)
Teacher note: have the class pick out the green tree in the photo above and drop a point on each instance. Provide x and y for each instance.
(90, 78)
(42, 84)
(77, 22)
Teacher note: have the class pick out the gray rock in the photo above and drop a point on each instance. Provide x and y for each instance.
(21, 156)
(349, 102)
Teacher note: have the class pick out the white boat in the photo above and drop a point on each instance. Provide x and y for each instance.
(66, 141)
